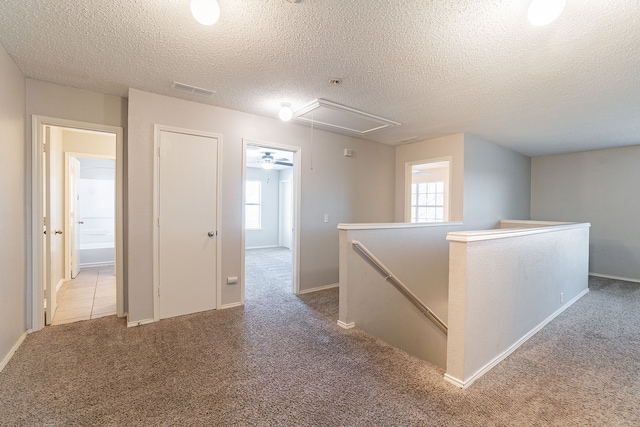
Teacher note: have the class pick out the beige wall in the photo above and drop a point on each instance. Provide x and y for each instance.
(12, 209)
(446, 146)
(51, 100)
(356, 189)
(90, 143)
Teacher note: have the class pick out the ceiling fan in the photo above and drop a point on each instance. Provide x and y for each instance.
(268, 161)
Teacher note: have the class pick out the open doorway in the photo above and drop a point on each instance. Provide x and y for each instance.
(270, 216)
(89, 289)
(77, 211)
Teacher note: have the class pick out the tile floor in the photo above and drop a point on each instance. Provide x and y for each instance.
(90, 295)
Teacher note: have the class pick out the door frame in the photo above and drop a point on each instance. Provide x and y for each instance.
(38, 124)
(295, 191)
(157, 128)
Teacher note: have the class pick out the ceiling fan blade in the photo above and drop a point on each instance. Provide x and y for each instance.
(283, 163)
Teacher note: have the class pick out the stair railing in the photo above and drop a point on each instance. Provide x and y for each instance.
(404, 290)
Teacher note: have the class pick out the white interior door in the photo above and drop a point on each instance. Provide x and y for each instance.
(285, 226)
(187, 204)
(74, 220)
(49, 230)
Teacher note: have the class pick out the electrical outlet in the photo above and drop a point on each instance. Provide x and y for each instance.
(232, 280)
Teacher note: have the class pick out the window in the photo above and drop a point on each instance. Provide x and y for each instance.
(427, 202)
(427, 186)
(253, 205)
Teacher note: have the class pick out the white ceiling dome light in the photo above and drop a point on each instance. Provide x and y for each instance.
(285, 113)
(206, 12)
(542, 12)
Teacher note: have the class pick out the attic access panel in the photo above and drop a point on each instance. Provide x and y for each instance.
(338, 118)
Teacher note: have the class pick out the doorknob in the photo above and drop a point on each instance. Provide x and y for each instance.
(211, 234)
(58, 231)
(80, 222)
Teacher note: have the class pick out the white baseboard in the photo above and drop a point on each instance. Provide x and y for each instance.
(606, 276)
(231, 305)
(95, 264)
(59, 285)
(464, 384)
(13, 350)
(346, 325)
(456, 382)
(264, 247)
(139, 322)
(319, 288)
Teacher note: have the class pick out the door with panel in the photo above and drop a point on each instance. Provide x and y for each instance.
(187, 218)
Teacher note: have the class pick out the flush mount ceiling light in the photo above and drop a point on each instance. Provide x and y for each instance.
(542, 12)
(285, 113)
(206, 12)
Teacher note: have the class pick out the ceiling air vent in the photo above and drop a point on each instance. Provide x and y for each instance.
(338, 118)
(192, 89)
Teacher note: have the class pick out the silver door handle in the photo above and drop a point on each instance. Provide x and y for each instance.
(80, 222)
(58, 231)
(211, 234)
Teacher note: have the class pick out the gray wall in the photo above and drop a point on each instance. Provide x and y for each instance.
(600, 187)
(488, 182)
(51, 100)
(356, 189)
(13, 263)
(497, 184)
(268, 234)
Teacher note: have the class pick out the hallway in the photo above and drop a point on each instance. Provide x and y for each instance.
(92, 294)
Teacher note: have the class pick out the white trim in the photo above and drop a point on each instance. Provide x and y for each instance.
(391, 225)
(318, 288)
(37, 211)
(95, 264)
(344, 325)
(476, 236)
(456, 382)
(381, 122)
(296, 192)
(262, 247)
(231, 305)
(157, 128)
(59, 285)
(13, 350)
(464, 384)
(140, 323)
(408, 180)
(606, 276)
(531, 223)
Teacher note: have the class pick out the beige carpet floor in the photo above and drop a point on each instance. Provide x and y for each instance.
(281, 360)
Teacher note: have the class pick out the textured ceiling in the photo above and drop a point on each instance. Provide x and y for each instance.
(438, 67)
